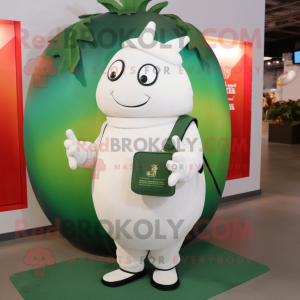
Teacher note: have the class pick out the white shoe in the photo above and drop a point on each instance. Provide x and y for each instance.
(165, 280)
(121, 277)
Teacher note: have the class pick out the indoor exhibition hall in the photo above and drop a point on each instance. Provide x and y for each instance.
(150, 149)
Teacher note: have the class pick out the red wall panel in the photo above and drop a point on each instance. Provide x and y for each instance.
(12, 168)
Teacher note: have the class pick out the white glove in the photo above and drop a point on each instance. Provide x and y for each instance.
(75, 156)
(183, 164)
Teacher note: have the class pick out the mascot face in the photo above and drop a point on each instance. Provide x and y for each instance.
(145, 79)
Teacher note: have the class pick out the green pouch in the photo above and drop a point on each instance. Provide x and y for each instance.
(150, 174)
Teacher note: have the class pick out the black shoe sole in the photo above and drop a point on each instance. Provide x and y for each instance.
(124, 281)
(163, 287)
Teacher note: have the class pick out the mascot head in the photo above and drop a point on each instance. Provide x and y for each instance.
(145, 79)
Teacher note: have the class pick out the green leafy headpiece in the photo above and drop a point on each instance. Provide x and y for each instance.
(66, 46)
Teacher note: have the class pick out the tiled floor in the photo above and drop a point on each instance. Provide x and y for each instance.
(275, 218)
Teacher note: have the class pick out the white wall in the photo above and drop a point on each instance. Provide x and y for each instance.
(292, 90)
(42, 18)
(271, 77)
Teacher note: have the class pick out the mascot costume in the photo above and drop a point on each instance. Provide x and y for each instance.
(145, 104)
(128, 80)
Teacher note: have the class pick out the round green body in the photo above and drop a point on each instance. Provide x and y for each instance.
(68, 102)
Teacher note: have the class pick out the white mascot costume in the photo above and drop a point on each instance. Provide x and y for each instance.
(143, 91)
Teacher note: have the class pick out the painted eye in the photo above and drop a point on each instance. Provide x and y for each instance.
(147, 75)
(116, 70)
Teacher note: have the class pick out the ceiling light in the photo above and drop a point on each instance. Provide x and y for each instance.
(269, 63)
(267, 58)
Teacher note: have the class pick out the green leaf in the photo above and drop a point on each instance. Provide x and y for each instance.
(134, 5)
(111, 5)
(65, 44)
(129, 6)
(142, 6)
(197, 40)
(126, 12)
(158, 7)
(86, 16)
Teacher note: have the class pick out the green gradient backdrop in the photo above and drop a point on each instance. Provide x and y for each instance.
(69, 101)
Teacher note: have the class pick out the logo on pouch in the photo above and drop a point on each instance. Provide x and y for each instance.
(153, 171)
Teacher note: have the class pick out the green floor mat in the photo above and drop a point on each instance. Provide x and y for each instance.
(205, 271)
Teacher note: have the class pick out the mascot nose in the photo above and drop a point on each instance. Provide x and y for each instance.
(279, 82)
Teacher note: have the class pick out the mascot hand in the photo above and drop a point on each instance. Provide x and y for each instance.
(182, 164)
(74, 155)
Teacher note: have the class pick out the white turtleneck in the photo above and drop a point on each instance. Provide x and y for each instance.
(133, 123)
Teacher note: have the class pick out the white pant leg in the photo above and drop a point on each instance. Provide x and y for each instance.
(131, 260)
(166, 258)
